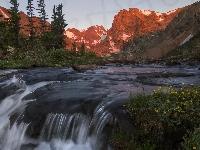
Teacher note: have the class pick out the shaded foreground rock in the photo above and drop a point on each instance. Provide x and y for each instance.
(162, 78)
(84, 67)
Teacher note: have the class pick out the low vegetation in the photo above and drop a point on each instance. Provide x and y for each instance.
(43, 58)
(167, 119)
(186, 51)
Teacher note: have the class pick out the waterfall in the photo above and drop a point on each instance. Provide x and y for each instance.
(60, 131)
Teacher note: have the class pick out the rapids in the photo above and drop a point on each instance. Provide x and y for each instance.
(61, 109)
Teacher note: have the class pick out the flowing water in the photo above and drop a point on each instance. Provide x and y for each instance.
(60, 109)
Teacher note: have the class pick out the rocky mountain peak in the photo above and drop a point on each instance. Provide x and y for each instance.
(127, 25)
(177, 27)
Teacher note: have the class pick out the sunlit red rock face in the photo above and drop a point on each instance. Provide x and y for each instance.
(90, 36)
(126, 25)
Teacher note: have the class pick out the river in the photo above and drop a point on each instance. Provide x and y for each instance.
(61, 109)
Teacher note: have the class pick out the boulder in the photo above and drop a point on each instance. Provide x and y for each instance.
(85, 67)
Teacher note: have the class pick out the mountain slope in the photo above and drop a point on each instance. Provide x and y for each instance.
(157, 44)
(127, 24)
(190, 49)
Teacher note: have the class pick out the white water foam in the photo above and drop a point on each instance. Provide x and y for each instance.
(11, 137)
(58, 144)
(60, 131)
(72, 131)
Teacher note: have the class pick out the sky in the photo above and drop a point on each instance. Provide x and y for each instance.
(81, 14)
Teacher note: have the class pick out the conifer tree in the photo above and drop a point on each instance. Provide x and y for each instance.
(31, 27)
(3, 36)
(73, 49)
(58, 27)
(14, 24)
(82, 49)
(42, 15)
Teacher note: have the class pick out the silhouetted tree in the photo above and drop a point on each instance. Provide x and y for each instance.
(42, 15)
(73, 49)
(58, 27)
(31, 27)
(3, 37)
(82, 49)
(14, 24)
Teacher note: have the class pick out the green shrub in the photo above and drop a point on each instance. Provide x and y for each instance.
(123, 140)
(163, 117)
(192, 142)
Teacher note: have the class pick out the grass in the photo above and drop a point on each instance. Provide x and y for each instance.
(167, 119)
(42, 58)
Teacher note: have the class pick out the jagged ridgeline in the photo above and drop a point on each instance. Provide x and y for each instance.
(156, 45)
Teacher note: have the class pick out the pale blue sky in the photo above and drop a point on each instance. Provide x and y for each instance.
(81, 14)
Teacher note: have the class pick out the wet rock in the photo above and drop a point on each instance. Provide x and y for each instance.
(192, 63)
(58, 66)
(163, 75)
(29, 146)
(127, 125)
(118, 64)
(85, 67)
(160, 78)
(173, 63)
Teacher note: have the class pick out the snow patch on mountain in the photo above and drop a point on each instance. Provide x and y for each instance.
(161, 19)
(87, 46)
(95, 42)
(82, 30)
(5, 16)
(103, 37)
(70, 34)
(146, 12)
(187, 39)
(158, 14)
(125, 36)
(112, 44)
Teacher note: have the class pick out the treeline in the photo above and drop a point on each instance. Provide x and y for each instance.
(51, 35)
(43, 44)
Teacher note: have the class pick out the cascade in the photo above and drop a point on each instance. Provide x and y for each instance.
(60, 131)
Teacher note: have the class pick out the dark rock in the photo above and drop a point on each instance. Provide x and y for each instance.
(118, 64)
(85, 67)
(173, 63)
(192, 63)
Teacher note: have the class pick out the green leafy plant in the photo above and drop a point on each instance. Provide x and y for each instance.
(165, 116)
(192, 140)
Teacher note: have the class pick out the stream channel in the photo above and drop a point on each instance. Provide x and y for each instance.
(62, 109)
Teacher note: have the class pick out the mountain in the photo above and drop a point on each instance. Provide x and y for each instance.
(127, 24)
(157, 44)
(134, 33)
(90, 36)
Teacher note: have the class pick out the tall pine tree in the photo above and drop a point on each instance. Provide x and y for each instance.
(14, 24)
(73, 49)
(42, 15)
(58, 27)
(31, 27)
(3, 37)
(82, 49)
